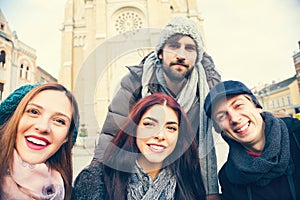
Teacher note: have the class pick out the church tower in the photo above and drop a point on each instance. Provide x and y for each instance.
(101, 37)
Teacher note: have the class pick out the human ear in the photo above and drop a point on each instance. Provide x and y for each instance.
(160, 56)
(260, 110)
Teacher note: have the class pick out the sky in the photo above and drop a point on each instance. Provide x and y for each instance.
(250, 41)
(37, 23)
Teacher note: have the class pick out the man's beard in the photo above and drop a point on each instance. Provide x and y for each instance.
(175, 76)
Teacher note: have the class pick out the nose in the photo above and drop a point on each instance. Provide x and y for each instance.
(234, 116)
(42, 125)
(181, 54)
(160, 135)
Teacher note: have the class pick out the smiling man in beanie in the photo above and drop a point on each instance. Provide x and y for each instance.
(180, 68)
(264, 151)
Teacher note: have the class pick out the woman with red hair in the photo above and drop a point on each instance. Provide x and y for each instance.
(150, 158)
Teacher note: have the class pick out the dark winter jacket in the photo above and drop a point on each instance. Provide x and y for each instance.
(84, 190)
(130, 92)
(278, 189)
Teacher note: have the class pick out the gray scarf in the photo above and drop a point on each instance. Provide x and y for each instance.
(142, 187)
(242, 168)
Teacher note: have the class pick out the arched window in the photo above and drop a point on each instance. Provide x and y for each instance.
(2, 58)
(27, 73)
(21, 71)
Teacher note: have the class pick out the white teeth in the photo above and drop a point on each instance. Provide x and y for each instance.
(36, 141)
(156, 147)
(243, 128)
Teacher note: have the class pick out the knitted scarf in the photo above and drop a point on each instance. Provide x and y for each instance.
(142, 187)
(28, 181)
(196, 81)
(242, 168)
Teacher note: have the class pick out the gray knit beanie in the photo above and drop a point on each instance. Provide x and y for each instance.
(185, 26)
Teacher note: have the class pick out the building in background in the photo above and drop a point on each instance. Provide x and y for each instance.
(100, 38)
(296, 58)
(17, 62)
(282, 98)
(43, 76)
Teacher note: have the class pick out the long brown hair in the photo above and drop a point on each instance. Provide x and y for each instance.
(61, 160)
(119, 158)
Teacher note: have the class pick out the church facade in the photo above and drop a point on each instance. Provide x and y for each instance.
(101, 37)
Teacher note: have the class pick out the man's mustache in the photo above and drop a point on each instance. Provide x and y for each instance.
(179, 63)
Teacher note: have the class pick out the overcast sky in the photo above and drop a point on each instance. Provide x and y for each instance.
(37, 23)
(250, 41)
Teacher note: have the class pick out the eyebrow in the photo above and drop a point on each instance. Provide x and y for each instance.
(232, 103)
(189, 44)
(238, 99)
(56, 113)
(155, 120)
(176, 42)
